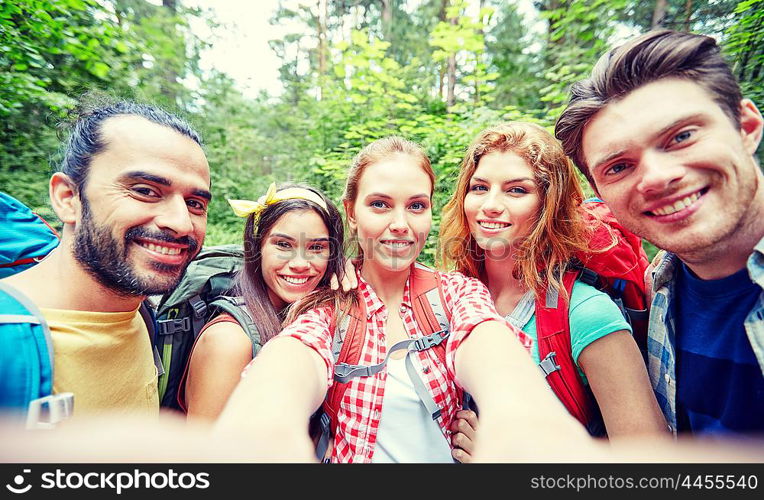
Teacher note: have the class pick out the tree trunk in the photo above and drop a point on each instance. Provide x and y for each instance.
(688, 15)
(659, 12)
(451, 96)
(322, 15)
(481, 32)
(170, 73)
(387, 20)
(442, 73)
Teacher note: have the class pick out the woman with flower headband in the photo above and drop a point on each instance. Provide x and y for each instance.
(293, 240)
(514, 222)
(388, 202)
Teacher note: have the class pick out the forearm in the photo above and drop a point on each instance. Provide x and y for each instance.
(273, 403)
(516, 404)
(618, 379)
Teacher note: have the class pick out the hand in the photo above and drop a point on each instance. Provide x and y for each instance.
(649, 275)
(349, 280)
(464, 428)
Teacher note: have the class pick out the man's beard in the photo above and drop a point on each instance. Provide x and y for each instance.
(106, 260)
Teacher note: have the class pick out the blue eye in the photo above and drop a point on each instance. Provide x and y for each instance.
(478, 187)
(683, 136)
(517, 190)
(378, 204)
(616, 169)
(418, 206)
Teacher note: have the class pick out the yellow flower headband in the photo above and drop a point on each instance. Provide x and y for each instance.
(243, 208)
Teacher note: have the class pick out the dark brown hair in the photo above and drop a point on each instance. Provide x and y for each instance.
(250, 283)
(642, 60)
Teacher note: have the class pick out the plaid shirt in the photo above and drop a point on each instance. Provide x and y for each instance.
(358, 418)
(661, 351)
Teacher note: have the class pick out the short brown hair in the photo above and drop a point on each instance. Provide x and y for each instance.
(642, 60)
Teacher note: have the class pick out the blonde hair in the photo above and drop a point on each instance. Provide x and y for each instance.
(559, 231)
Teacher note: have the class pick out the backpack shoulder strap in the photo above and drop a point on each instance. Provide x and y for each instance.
(149, 318)
(236, 307)
(429, 305)
(347, 343)
(45, 409)
(349, 331)
(554, 345)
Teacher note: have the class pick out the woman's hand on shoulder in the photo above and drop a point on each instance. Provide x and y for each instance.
(349, 279)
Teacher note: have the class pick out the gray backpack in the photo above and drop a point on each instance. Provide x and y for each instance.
(203, 292)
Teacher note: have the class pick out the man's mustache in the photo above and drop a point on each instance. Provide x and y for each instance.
(141, 232)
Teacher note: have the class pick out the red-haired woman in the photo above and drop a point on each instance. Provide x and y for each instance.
(514, 222)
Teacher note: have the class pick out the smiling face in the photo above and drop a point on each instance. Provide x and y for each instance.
(143, 210)
(392, 212)
(294, 256)
(502, 203)
(673, 167)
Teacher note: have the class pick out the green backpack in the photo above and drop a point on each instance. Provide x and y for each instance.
(202, 293)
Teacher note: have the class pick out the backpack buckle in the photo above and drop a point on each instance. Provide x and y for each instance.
(549, 365)
(46, 412)
(170, 326)
(431, 340)
(343, 372)
(198, 305)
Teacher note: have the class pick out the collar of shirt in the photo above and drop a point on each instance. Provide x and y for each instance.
(664, 271)
(373, 303)
(756, 264)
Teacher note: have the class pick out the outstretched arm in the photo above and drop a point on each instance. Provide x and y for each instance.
(273, 403)
(519, 413)
(618, 378)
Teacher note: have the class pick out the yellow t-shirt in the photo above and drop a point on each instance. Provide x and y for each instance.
(105, 359)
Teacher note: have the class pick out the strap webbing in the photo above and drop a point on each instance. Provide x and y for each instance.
(326, 434)
(637, 314)
(421, 389)
(343, 372)
(523, 311)
(19, 318)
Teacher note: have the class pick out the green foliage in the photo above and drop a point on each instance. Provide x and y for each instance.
(378, 76)
(743, 45)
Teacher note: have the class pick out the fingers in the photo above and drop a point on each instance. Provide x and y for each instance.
(349, 281)
(461, 456)
(466, 421)
(463, 447)
(333, 284)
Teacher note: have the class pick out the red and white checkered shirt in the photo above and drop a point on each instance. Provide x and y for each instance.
(358, 418)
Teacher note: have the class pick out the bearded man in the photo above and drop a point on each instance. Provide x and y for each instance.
(132, 194)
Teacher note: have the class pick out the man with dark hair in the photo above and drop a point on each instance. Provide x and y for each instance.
(665, 138)
(132, 194)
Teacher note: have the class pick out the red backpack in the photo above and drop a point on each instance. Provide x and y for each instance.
(432, 317)
(619, 271)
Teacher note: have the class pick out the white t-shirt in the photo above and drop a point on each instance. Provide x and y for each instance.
(407, 433)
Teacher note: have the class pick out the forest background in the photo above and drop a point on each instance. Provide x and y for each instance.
(434, 71)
